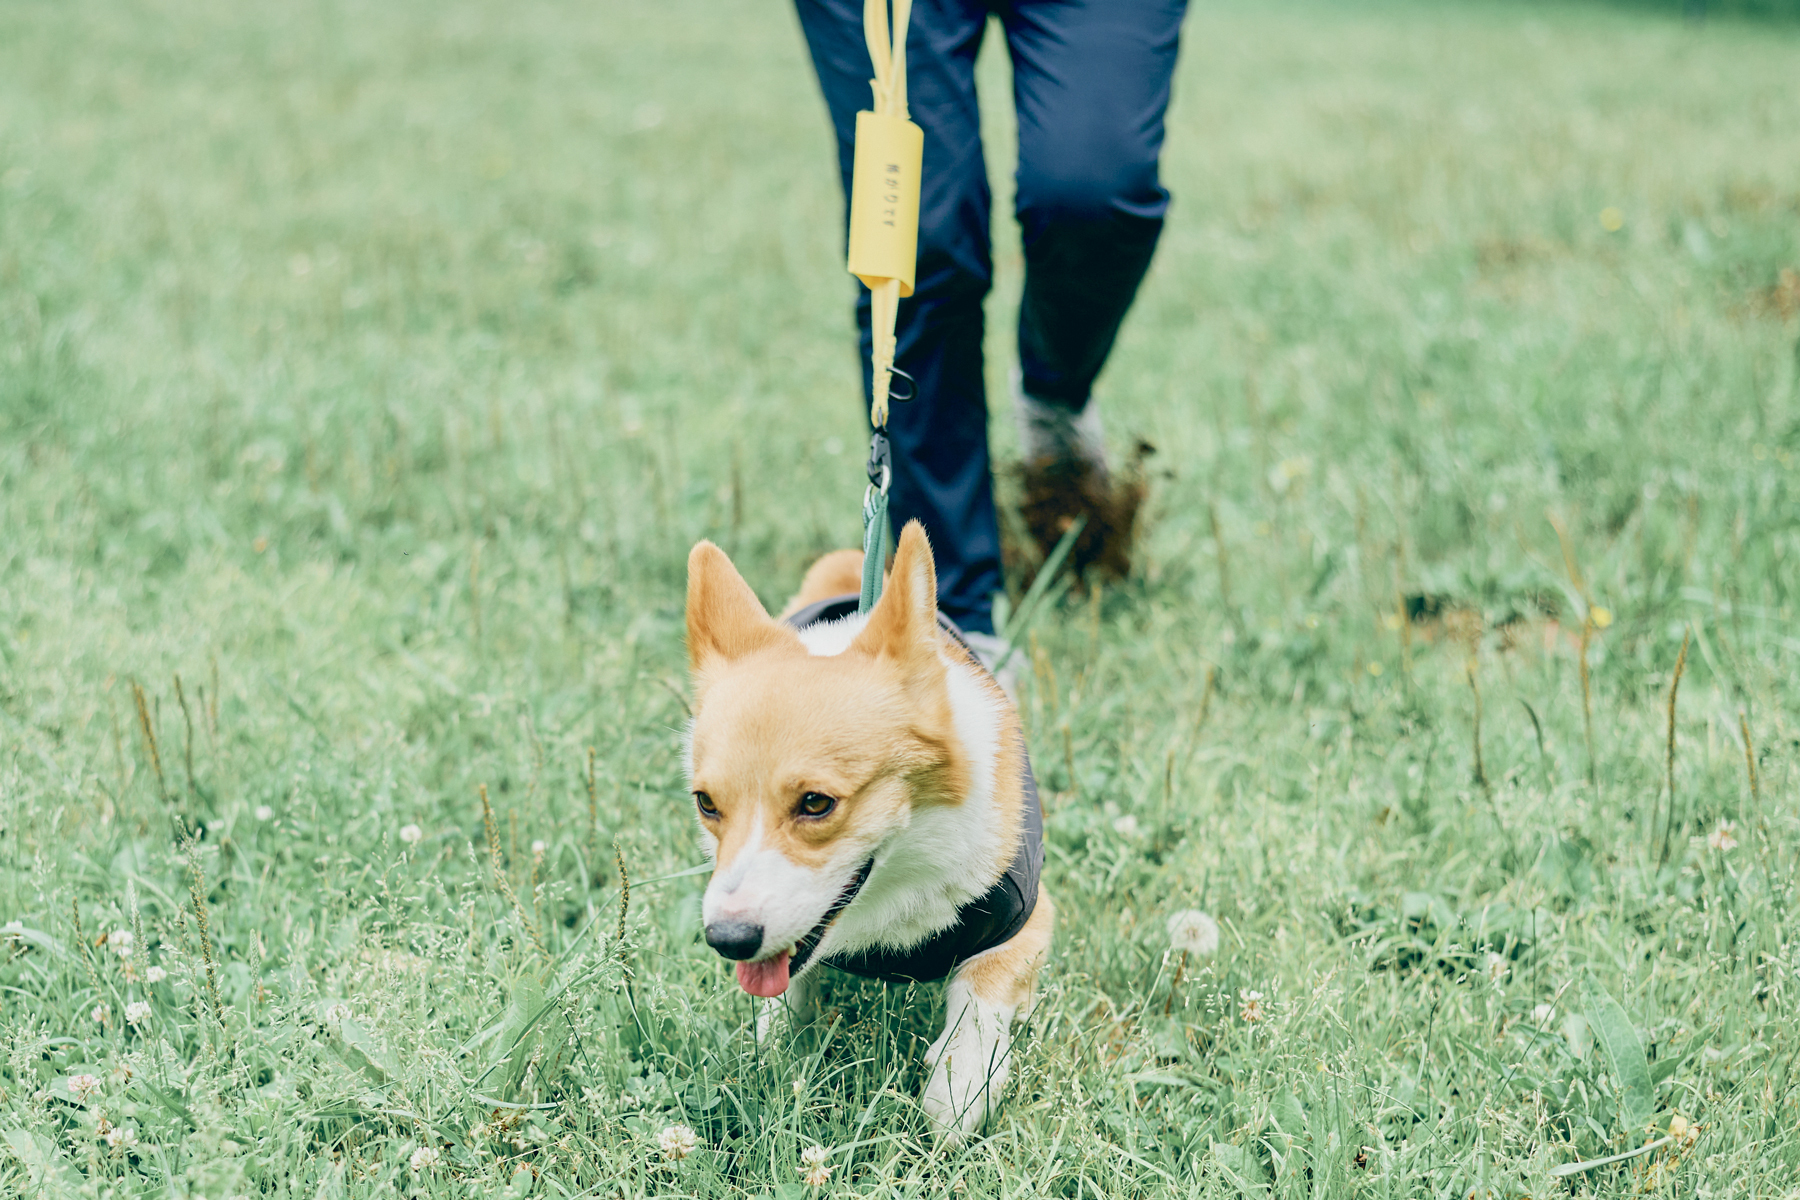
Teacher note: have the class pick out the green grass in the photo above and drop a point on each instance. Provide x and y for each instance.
(371, 372)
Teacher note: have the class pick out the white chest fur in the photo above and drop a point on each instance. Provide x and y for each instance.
(945, 855)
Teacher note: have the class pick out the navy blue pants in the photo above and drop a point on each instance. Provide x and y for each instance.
(1091, 84)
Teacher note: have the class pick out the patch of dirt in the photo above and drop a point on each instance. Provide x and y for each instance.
(1052, 494)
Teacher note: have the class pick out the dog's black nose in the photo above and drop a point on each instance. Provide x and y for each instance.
(735, 939)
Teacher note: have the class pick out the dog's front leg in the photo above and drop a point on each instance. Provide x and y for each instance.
(971, 1061)
(797, 1006)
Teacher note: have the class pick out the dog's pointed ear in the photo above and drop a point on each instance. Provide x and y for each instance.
(725, 620)
(903, 626)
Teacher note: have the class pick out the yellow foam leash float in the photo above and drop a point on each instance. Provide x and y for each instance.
(884, 247)
(884, 191)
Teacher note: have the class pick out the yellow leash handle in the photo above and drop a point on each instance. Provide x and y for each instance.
(884, 192)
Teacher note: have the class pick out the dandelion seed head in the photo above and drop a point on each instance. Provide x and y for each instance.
(1126, 826)
(264, 812)
(411, 834)
(538, 847)
(1193, 932)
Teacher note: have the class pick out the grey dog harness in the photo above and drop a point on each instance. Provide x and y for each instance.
(989, 919)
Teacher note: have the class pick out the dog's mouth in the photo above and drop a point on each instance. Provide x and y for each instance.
(769, 977)
(803, 949)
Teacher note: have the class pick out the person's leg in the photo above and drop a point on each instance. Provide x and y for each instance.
(1091, 81)
(941, 474)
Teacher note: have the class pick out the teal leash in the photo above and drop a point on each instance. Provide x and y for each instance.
(876, 534)
(875, 518)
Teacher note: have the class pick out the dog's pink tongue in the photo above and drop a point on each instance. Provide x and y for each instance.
(768, 978)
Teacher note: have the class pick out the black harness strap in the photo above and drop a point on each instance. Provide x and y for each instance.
(993, 917)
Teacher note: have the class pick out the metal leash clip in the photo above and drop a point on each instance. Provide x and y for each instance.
(881, 461)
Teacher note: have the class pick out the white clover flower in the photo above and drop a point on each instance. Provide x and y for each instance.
(1250, 1006)
(677, 1142)
(84, 1085)
(1723, 838)
(137, 1012)
(1193, 932)
(1542, 1013)
(813, 1168)
(156, 974)
(1497, 968)
(120, 940)
(264, 812)
(423, 1159)
(101, 1013)
(411, 834)
(337, 1013)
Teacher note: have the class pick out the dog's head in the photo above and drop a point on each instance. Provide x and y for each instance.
(802, 765)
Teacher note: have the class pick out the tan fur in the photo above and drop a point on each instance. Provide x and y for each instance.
(725, 620)
(780, 722)
(837, 574)
(1007, 974)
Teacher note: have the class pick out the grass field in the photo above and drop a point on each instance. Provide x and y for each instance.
(366, 373)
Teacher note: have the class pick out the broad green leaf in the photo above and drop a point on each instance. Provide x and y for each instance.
(49, 1170)
(1577, 1034)
(1625, 1056)
(1241, 1168)
(1289, 1116)
(533, 1029)
(361, 1052)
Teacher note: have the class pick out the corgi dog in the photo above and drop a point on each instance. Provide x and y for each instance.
(863, 792)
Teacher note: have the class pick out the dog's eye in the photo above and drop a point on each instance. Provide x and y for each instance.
(706, 805)
(816, 804)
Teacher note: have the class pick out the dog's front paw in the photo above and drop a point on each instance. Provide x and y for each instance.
(969, 1069)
